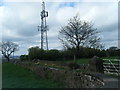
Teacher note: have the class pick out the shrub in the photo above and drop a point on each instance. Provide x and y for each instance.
(35, 53)
(73, 65)
(23, 57)
(53, 55)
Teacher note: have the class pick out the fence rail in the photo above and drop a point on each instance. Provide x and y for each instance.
(111, 66)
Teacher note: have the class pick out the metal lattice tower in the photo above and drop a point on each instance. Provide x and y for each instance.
(43, 28)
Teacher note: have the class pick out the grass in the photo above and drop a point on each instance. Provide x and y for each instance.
(17, 77)
(79, 61)
(115, 62)
(50, 65)
(111, 58)
(58, 64)
(83, 61)
(86, 60)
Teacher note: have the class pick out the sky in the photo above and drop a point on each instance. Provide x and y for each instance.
(19, 21)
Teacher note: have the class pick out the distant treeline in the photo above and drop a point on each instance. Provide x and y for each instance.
(53, 54)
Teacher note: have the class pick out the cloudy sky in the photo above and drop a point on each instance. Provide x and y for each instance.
(19, 21)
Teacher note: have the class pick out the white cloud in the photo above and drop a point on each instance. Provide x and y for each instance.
(65, 13)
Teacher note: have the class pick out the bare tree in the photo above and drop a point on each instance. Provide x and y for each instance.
(7, 48)
(78, 34)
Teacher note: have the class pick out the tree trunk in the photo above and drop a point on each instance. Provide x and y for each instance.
(8, 59)
(74, 58)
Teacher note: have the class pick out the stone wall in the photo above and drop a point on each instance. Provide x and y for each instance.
(71, 79)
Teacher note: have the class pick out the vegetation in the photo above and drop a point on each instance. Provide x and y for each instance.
(70, 78)
(50, 64)
(36, 53)
(23, 57)
(7, 48)
(80, 61)
(77, 34)
(14, 76)
(113, 52)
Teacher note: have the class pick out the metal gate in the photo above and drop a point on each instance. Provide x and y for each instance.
(111, 66)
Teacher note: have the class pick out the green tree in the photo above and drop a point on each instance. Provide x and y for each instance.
(53, 54)
(35, 53)
(112, 51)
(24, 57)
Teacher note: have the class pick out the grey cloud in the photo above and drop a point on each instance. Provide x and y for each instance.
(109, 36)
(111, 43)
(28, 30)
(109, 28)
(21, 28)
(109, 33)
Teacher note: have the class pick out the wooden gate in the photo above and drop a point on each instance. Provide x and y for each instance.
(111, 66)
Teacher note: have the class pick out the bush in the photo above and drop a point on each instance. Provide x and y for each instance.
(73, 65)
(66, 54)
(53, 55)
(36, 53)
(23, 57)
(113, 51)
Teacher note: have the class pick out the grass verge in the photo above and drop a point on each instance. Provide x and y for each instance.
(14, 76)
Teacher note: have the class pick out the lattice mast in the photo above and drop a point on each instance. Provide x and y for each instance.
(43, 28)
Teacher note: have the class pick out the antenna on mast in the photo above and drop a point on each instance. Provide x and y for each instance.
(43, 28)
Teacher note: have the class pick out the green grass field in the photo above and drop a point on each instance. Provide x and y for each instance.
(79, 61)
(14, 76)
(86, 60)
